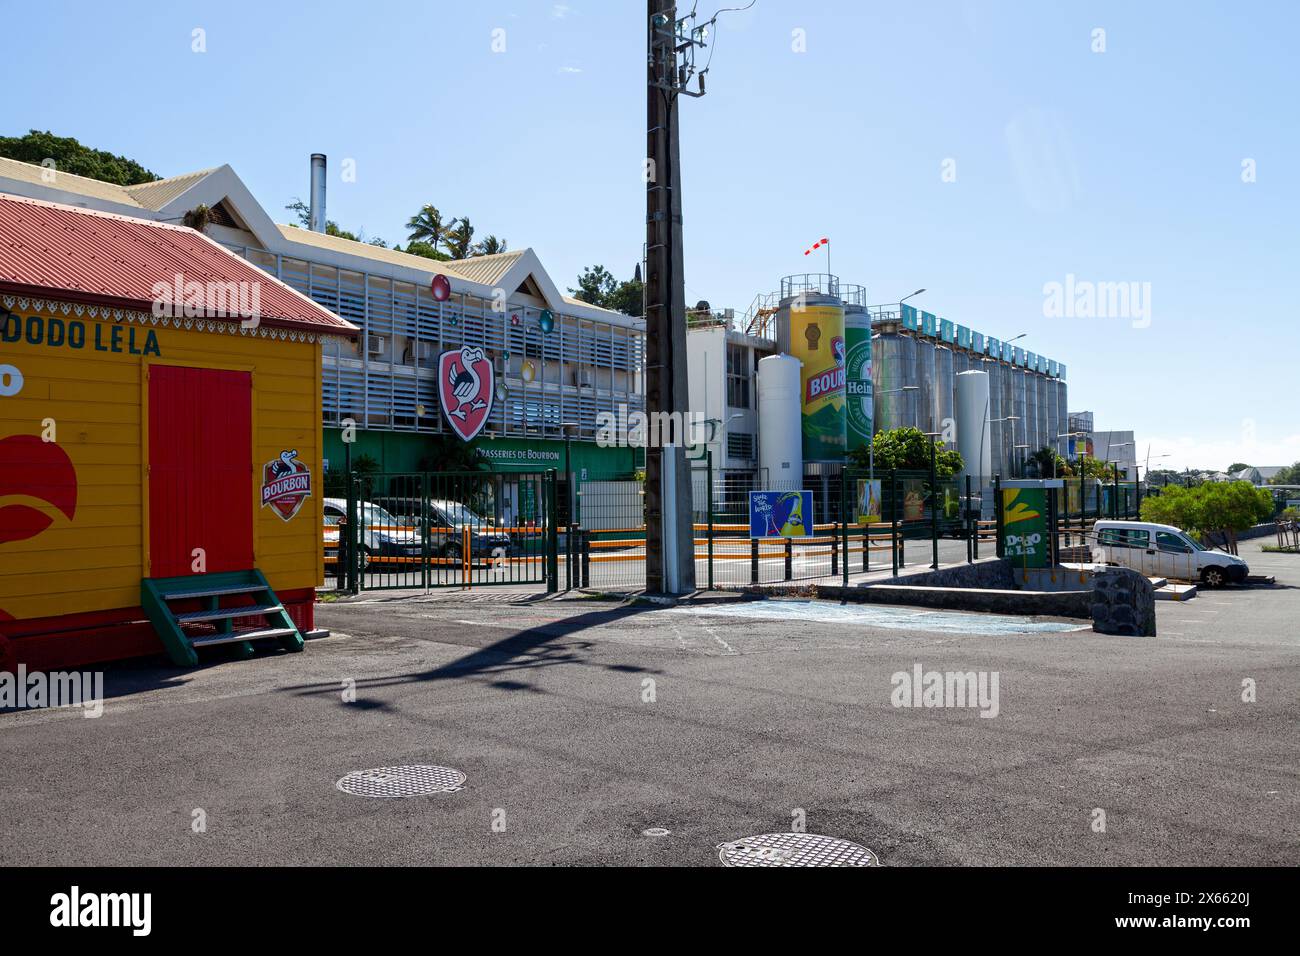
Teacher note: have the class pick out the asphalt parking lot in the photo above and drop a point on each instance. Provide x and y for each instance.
(580, 724)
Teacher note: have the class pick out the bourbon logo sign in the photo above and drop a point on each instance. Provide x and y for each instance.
(466, 386)
(286, 484)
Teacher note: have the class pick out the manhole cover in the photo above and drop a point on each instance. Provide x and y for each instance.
(401, 781)
(794, 849)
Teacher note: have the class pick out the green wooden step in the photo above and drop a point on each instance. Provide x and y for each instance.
(156, 593)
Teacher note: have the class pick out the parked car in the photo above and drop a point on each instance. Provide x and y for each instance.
(447, 521)
(385, 538)
(1164, 551)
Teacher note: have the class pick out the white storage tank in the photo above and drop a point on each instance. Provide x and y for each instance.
(780, 421)
(972, 413)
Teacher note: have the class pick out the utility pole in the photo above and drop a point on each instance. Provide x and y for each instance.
(670, 530)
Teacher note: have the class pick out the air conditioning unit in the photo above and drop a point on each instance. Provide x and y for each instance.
(375, 345)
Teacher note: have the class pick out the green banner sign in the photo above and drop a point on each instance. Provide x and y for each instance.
(1024, 526)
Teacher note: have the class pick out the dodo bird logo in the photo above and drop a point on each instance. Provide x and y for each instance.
(466, 387)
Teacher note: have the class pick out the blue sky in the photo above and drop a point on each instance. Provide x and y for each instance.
(1115, 166)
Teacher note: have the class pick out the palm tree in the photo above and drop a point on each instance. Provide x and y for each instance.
(490, 246)
(427, 226)
(460, 238)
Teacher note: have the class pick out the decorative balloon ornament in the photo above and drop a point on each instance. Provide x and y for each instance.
(529, 371)
(546, 321)
(441, 288)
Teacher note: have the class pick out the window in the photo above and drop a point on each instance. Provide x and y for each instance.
(1172, 543)
(740, 445)
(738, 376)
(1124, 538)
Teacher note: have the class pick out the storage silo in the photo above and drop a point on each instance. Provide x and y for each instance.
(925, 381)
(859, 408)
(893, 369)
(1031, 413)
(961, 360)
(1011, 428)
(810, 327)
(780, 421)
(1021, 432)
(997, 411)
(945, 386)
(1046, 417)
(971, 408)
(1062, 411)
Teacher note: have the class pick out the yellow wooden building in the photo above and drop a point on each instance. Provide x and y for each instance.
(160, 442)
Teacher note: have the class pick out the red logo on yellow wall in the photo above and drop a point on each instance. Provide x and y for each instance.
(286, 484)
(33, 468)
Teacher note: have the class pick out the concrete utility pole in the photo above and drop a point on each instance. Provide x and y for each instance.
(670, 531)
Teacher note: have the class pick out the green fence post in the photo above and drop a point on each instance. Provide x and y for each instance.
(893, 519)
(552, 535)
(844, 523)
(970, 527)
(934, 505)
(709, 496)
(352, 535)
(997, 516)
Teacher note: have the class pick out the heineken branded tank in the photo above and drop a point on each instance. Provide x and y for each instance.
(858, 391)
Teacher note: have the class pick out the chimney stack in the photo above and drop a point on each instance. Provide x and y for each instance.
(317, 217)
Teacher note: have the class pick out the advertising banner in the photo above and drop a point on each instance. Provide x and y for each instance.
(780, 514)
(868, 500)
(913, 499)
(817, 340)
(1024, 526)
(857, 380)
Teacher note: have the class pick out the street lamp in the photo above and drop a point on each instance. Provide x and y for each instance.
(1012, 419)
(906, 297)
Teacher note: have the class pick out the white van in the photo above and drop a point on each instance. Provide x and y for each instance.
(1159, 550)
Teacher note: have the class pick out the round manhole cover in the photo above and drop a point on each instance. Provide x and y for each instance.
(401, 781)
(794, 849)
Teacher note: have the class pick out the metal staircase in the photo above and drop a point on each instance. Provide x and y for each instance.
(183, 632)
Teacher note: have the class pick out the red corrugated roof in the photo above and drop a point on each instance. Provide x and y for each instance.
(62, 252)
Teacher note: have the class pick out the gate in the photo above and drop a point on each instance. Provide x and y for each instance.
(445, 529)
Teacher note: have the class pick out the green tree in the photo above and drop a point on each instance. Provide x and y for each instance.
(490, 246)
(424, 249)
(427, 225)
(302, 211)
(1236, 466)
(69, 156)
(909, 449)
(1290, 475)
(1049, 464)
(628, 297)
(598, 286)
(460, 238)
(595, 285)
(1215, 508)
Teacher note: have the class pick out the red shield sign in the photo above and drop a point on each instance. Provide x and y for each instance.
(466, 388)
(286, 484)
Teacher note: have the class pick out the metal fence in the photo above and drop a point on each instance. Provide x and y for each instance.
(471, 529)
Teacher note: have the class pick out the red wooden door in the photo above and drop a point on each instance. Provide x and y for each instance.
(200, 469)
